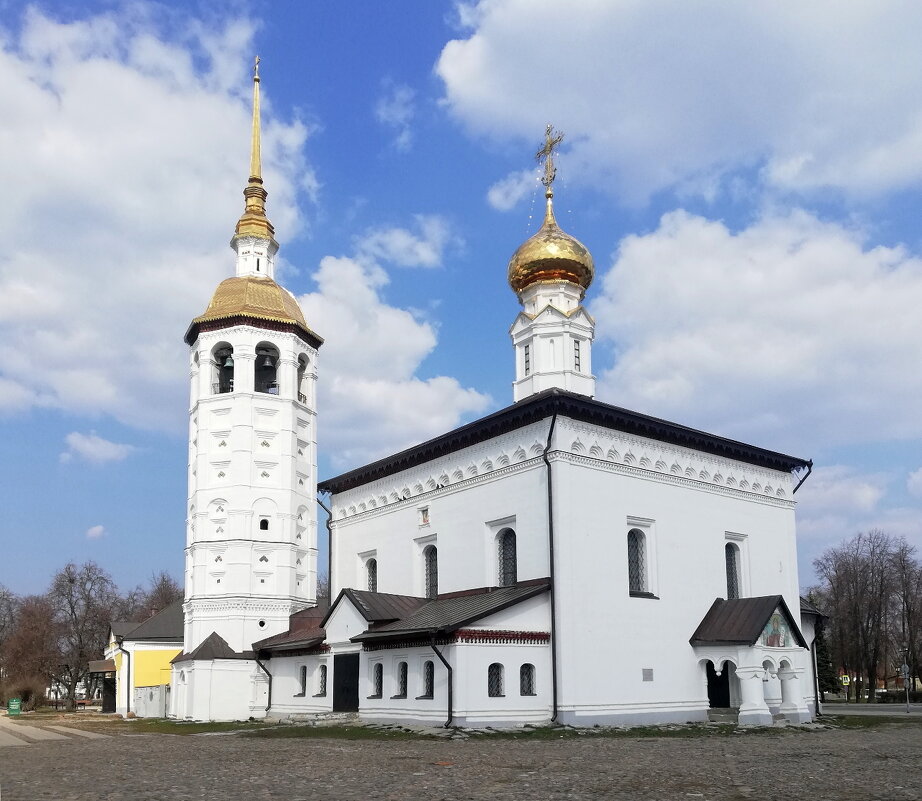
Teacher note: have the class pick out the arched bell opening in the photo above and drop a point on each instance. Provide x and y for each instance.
(222, 370)
(267, 363)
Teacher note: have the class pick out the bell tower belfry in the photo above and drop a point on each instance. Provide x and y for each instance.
(550, 273)
(251, 533)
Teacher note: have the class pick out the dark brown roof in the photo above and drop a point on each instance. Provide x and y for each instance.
(740, 621)
(445, 615)
(291, 640)
(213, 647)
(102, 666)
(167, 624)
(378, 607)
(568, 404)
(807, 608)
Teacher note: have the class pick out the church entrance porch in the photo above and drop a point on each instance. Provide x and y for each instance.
(346, 683)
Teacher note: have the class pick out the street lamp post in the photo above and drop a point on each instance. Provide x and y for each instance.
(905, 671)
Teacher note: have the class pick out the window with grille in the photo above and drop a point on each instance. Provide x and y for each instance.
(371, 567)
(507, 558)
(377, 680)
(527, 360)
(576, 358)
(636, 561)
(321, 682)
(527, 680)
(302, 680)
(732, 556)
(401, 680)
(428, 680)
(495, 680)
(431, 564)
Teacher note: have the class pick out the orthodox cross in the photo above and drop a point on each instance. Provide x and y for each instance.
(552, 139)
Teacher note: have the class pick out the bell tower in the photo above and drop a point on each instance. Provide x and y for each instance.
(550, 273)
(251, 535)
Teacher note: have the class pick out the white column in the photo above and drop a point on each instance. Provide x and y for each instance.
(792, 701)
(287, 376)
(753, 709)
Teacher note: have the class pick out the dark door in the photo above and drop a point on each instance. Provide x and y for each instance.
(108, 693)
(718, 687)
(346, 683)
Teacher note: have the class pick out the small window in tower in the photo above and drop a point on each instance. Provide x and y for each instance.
(257, 264)
(576, 359)
(527, 360)
(264, 524)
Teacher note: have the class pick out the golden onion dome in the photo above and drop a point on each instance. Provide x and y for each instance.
(256, 297)
(551, 255)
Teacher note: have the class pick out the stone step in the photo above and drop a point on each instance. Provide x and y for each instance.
(723, 715)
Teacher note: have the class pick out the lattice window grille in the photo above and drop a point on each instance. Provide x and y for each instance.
(733, 576)
(495, 680)
(371, 567)
(527, 680)
(428, 680)
(401, 680)
(431, 561)
(636, 561)
(507, 559)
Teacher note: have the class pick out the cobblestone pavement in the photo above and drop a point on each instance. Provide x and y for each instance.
(837, 764)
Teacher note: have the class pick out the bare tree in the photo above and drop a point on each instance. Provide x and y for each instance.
(31, 655)
(83, 599)
(163, 590)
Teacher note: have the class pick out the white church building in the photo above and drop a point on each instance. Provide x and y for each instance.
(560, 560)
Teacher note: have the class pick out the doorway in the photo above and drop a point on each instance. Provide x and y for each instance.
(346, 683)
(718, 686)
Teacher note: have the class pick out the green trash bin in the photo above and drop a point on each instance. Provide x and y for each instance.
(13, 706)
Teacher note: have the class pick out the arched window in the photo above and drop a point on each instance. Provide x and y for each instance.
(431, 567)
(302, 680)
(527, 680)
(495, 680)
(507, 559)
(371, 568)
(264, 524)
(401, 680)
(732, 558)
(302, 379)
(636, 561)
(223, 370)
(377, 680)
(321, 682)
(428, 680)
(266, 367)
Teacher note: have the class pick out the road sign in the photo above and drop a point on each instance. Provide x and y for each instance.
(845, 680)
(905, 671)
(13, 706)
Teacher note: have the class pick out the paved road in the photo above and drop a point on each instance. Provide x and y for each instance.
(881, 710)
(825, 765)
(14, 733)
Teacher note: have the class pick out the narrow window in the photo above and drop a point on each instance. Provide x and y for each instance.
(732, 557)
(431, 564)
(636, 566)
(495, 680)
(507, 558)
(321, 682)
(527, 360)
(257, 264)
(401, 680)
(377, 680)
(576, 359)
(527, 680)
(264, 524)
(302, 680)
(428, 680)
(371, 566)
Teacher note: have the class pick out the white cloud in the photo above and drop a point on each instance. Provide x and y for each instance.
(787, 333)
(671, 94)
(93, 448)
(122, 213)
(95, 532)
(372, 401)
(506, 193)
(404, 248)
(914, 483)
(395, 109)
(840, 490)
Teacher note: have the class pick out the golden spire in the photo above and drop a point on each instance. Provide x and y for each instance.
(253, 221)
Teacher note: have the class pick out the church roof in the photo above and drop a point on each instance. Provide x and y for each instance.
(740, 621)
(452, 612)
(214, 646)
(567, 404)
(378, 607)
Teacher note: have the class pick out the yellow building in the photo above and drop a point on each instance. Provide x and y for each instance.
(140, 654)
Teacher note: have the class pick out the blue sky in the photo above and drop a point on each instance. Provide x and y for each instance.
(747, 178)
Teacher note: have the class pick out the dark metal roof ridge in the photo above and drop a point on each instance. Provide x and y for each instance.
(568, 404)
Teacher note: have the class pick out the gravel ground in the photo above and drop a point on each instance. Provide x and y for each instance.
(835, 764)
